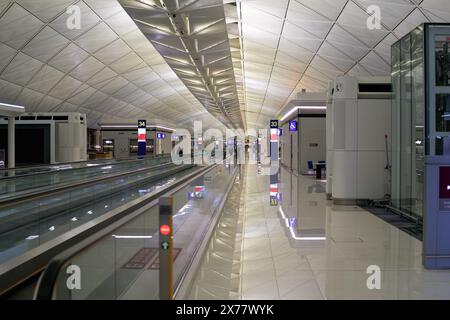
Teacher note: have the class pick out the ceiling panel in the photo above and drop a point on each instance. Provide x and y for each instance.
(45, 79)
(18, 26)
(45, 10)
(319, 40)
(21, 69)
(108, 64)
(45, 45)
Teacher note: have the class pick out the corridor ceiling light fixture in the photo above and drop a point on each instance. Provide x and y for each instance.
(179, 60)
(131, 237)
(13, 106)
(302, 108)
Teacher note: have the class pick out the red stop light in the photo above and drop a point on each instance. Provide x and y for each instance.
(165, 229)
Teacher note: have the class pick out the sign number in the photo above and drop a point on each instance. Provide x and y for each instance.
(274, 124)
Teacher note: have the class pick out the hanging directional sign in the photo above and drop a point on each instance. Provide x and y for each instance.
(274, 124)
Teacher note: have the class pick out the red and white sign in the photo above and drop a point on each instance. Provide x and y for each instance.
(274, 135)
(199, 189)
(142, 135)
(273, 189)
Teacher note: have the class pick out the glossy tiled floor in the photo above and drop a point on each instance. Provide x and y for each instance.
(307, 248)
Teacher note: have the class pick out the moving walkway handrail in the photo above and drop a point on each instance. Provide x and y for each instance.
(119, 217)
(102, 162)
(33, 193)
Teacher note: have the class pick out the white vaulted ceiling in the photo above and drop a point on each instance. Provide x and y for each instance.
(110, 70)
(107, 69)
(290, 45)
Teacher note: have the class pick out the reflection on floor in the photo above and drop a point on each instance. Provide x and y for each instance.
(218, 274)
(297, 245)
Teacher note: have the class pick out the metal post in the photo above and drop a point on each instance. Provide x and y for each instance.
(165, 248)
(11, 142)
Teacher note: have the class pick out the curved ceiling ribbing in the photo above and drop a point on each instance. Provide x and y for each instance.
(192, 37)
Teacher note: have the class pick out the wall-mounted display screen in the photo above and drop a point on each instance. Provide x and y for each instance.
(444, 188)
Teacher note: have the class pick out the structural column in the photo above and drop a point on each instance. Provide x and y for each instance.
(11, 142)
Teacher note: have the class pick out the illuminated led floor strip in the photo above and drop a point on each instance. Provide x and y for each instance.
(291, 229)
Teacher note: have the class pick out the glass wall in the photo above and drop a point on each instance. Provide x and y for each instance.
(408, 109)
(439, 96)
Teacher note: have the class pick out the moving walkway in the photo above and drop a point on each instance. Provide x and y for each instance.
(121, 259)
(23, 182)
(35, 227)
